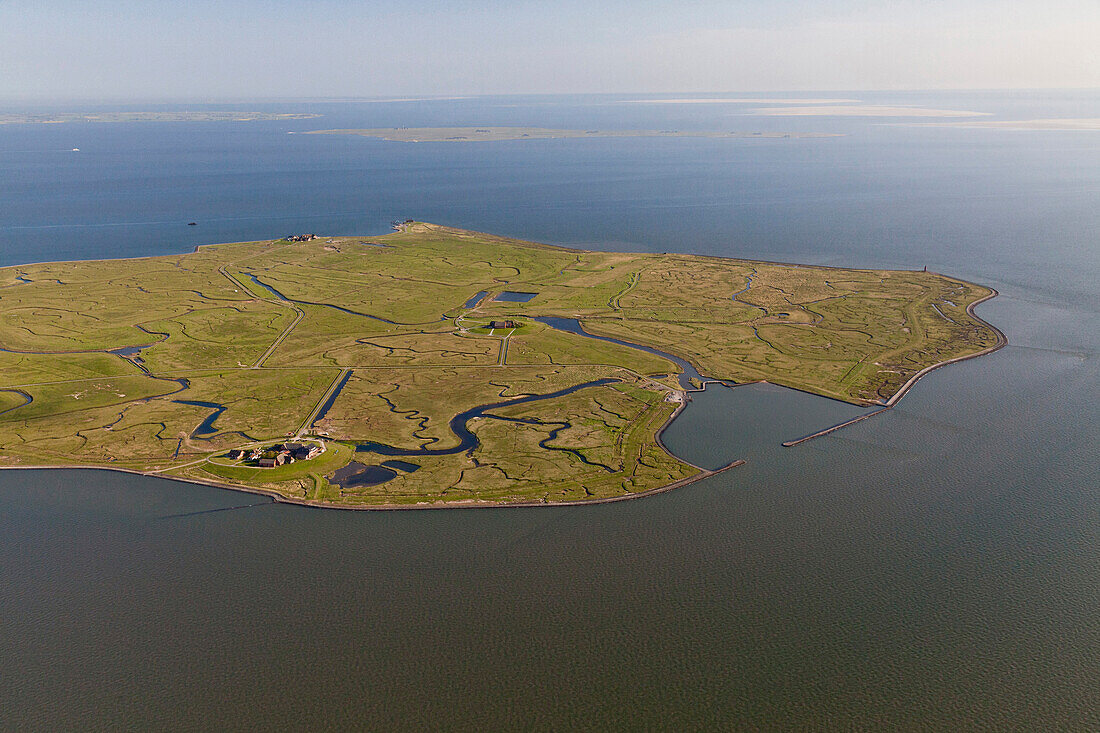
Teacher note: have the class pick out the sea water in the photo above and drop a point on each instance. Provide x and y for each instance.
(936, 566)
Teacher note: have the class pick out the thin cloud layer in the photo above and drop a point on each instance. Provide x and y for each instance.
(248, 48)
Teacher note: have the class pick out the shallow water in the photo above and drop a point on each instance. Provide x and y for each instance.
(206, 427)
(513, 296)
(935, 566)
(475, 299)
(401, 465)
(749, 421)
(360, 474)
(467, 440)
(265, 286)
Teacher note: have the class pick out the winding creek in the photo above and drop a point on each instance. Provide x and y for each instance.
(27, 399)
(280, 296)
(467, 440)
(573, 325)
(206, 427)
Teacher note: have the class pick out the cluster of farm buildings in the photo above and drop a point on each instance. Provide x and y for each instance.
(278, 454)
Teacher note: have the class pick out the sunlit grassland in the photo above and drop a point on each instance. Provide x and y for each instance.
(409, 408)
(391, 314)
(544, 345)
(230, 336)
(611, 428)
(16, 369)
(301, 480)
(114, 421)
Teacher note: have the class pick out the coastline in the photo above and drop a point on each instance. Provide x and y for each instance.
(702, 473)
(464, 504)
(1002, 341)
(682, 403)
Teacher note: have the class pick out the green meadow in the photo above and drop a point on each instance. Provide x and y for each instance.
(269, 330)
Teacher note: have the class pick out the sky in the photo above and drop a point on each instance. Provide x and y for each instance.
(241, 49)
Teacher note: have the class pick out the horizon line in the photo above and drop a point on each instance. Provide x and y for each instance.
(416, 97)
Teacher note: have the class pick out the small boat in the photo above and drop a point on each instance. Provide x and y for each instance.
(191, 224)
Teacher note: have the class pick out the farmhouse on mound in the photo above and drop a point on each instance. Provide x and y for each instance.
(299, 452)
(502, 324)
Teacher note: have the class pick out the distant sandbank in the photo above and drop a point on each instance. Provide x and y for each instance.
(870, 110)
(1068, 124)
(738, 100)
(494, 134)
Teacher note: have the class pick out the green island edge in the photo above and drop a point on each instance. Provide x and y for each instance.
(338, 341)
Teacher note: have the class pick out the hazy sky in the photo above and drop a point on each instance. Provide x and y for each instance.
(292, 48)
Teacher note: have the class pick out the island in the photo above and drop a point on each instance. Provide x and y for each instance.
(1058, 124)
(437, 367)
(497, 134)
(862, 110)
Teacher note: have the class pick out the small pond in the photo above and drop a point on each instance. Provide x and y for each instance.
(514, 296)
(360, 474)
(401, 466)
(476, 298)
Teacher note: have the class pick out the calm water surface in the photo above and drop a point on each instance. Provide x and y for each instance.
(934, 567)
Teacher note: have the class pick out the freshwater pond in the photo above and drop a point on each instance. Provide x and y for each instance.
(360, 474)
(475, 299)
(514, 296)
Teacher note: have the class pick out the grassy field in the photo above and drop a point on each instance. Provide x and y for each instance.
(382, 339)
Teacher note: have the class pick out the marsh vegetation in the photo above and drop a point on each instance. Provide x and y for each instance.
(120, 362)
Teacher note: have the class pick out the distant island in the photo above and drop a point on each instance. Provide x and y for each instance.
(862, 110)
(493, 134)
(1064, 124)
(436, 367)
(182, 116)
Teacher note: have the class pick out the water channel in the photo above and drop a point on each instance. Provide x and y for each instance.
(467, 440)
(688, 371)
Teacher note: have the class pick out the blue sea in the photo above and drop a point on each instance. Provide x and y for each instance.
(936, 567)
